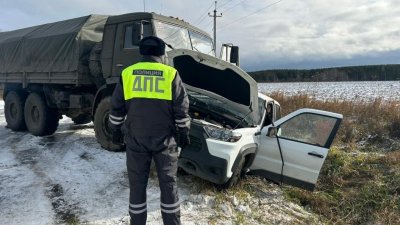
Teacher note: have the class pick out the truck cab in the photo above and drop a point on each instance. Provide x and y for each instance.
(120, 49)
(123, 33)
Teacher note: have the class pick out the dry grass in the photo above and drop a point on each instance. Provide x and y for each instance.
(360, 180)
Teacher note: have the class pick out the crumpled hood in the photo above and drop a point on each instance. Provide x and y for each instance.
(217, 78)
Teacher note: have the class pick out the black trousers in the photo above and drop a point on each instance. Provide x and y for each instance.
(140, 151)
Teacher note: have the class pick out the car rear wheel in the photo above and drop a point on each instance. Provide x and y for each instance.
(40, 119)
(14, 110)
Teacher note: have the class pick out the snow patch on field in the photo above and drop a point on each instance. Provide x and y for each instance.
(351, 91)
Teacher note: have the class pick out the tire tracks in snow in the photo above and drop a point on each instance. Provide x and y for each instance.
(33, 157)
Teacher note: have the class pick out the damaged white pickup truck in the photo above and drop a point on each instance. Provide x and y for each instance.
(236, 130)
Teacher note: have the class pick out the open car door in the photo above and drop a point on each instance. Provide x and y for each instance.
(293, 150)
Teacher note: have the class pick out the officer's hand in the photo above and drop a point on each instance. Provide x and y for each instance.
(183, 138)
(117, 137)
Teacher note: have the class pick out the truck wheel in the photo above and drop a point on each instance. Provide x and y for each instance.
(101, 127)
(40, 119)
(82, 119)
(14, 110)
(236, 176)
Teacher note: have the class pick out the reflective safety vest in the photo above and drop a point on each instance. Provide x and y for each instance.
(148, 80)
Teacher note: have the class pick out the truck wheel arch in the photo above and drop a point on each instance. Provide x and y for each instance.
(12, 87)
(103, 92)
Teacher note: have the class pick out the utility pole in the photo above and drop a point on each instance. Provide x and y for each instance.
(215, 26)
(144, 5)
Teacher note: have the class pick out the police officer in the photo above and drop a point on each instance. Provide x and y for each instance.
(151, 105)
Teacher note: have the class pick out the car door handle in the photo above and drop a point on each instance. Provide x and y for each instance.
(316, 155)
(119, 65)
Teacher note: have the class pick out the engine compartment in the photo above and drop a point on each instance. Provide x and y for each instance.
(219, 119)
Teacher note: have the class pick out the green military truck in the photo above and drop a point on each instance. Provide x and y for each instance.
(71, 67)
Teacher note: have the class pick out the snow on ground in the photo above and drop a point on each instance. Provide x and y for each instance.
(362, 90)
(66, 178)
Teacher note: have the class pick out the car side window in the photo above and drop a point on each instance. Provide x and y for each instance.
(308, 128)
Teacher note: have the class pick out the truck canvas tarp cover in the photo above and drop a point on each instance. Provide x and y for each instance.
(55, 47)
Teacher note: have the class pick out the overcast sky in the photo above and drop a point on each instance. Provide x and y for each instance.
(285, 34)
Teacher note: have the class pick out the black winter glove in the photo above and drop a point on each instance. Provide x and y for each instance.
(117, 137)
(183, 138)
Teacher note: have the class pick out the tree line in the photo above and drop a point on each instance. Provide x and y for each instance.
(351, 73)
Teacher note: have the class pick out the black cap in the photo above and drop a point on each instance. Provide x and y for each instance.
(152, 46)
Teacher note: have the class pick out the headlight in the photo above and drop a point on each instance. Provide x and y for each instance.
(222, 134)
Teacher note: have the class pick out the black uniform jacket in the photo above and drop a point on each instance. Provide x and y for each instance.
(145, 117)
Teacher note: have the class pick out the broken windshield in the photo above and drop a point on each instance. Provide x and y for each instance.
(181, 37)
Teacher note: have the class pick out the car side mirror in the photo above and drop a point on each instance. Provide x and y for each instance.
(272, 131)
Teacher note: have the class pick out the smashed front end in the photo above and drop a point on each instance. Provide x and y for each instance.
(222, 98)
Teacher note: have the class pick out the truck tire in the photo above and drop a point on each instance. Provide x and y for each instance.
(82, 119)
(101, 127)
(40, 119)
(238, 174)
(94, 61)
(14, 110)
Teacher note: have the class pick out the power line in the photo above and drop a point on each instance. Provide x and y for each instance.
(251, 14)
(233, 6)
(208, 25)
(203, 15)
(226, 3)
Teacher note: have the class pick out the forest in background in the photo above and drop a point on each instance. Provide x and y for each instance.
(350, 73)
